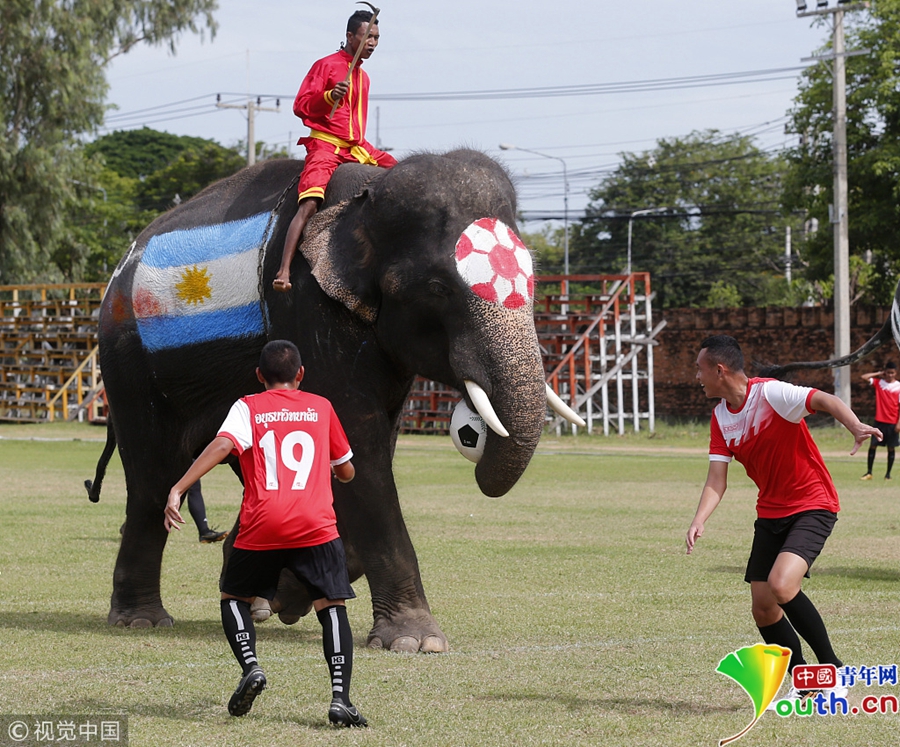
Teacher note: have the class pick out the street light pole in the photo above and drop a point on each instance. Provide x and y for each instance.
(645, 211)
(507, 146)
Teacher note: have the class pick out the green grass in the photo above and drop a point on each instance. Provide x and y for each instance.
(573, 614)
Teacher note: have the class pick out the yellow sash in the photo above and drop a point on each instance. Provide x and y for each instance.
(357, 151)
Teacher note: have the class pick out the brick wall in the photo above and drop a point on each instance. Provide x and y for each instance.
(767, 336)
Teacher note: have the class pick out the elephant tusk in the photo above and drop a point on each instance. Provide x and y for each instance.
(484, 408)
(561, 408)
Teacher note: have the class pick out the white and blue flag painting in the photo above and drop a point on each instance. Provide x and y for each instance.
(200, 284)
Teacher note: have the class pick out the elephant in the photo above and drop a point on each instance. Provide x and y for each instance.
(415, 270)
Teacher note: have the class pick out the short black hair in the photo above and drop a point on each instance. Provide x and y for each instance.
(890, 364)
(358, 19)
(726, 350)
(279, 362)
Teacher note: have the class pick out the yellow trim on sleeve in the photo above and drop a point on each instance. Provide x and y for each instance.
(318, 192)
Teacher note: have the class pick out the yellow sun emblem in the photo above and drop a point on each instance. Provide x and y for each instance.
(194, 285)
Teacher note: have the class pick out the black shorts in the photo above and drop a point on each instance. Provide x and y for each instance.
(802, 534)
(322, 569)
(890, 437)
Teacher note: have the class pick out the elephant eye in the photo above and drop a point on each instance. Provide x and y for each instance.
(439, 288)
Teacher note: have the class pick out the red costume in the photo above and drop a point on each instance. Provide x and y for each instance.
(338, 139)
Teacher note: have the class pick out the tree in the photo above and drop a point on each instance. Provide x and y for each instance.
(719, 218)
(192, 170)
(53, 58)
(873, 151)
(138, 174)
(135, 154)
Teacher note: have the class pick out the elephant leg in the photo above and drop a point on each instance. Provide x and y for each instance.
(292, 601)
(378, 544)
(136, 600)
(402, 618)
(150, 472)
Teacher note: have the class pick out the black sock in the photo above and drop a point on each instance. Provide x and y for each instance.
(890, 462)
(809, 625)
(783, 634)
(197, 508)
(337, 643)
(239, 631)
(871, 461)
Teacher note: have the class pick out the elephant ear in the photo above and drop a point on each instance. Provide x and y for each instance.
(338, 257)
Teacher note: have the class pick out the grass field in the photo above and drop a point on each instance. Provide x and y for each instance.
(573, 614)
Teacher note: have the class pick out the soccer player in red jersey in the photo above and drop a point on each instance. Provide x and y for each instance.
(760, 422)
(887, 415)
(289, 443)
(333, 138)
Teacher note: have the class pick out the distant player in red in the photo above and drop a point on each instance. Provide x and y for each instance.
(333, 138)
(887, 415)
(760, 422)
(288, 443)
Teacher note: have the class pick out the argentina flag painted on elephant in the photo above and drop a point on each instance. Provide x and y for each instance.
(200, 284)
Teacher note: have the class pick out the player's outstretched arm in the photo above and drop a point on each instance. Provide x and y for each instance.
(219, 448)
(834, 406)
(713, 490)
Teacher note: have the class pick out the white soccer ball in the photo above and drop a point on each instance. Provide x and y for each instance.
(468, 432)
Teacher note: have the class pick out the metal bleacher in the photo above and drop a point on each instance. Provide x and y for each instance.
(596, 335)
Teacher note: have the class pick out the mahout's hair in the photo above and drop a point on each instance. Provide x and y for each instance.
(279, 362)
(358, 19)
(724, 349)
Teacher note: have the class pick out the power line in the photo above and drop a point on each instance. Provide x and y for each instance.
(635, 86)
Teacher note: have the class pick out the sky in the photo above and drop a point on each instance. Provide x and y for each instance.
(616, 62)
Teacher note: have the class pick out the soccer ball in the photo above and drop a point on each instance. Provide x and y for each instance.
(468, 432)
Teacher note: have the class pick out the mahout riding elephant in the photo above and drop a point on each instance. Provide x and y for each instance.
(414, 270)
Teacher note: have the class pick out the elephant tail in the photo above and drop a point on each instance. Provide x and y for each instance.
(93, 486)
(883, 335)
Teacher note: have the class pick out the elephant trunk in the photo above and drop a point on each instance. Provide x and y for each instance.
(508, 368)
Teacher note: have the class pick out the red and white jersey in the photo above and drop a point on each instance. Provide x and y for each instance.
(887, 400)
(770, 438)
(286, 441)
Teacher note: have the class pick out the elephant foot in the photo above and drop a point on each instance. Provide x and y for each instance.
(158, 618)
(260, 610)
(409, 632)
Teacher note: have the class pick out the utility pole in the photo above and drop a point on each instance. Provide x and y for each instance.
(252, 107)
(839, 210)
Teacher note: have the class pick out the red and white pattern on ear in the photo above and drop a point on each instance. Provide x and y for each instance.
(496, 264)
